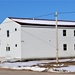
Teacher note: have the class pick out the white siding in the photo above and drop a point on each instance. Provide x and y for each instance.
(69, 39)
(35, 42)
(41, 42)
(14, 38)
(38, 42)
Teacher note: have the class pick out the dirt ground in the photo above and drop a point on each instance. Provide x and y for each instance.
(15, 72)
(50, 65)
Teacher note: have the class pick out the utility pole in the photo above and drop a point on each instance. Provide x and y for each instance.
(56, 16)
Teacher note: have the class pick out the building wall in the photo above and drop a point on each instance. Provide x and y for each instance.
(38, 42)
(69, 39)
(41, 42)
(14, 38)
(35, 42)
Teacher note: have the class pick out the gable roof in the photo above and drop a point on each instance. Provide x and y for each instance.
(42, 22)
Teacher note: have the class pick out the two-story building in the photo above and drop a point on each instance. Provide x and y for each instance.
(26, 38)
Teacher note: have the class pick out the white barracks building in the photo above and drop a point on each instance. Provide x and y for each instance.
(25, 38)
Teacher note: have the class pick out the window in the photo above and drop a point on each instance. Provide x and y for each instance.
(64, 32)
(7, 33)
(0, 42)
(64, 47)
(7, 48)
(74, 32)
(15, 29)
(15, 45)
(74, 46)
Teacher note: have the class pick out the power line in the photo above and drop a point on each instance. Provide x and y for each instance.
(32, 17)
(54, 14)
(66, 12)
(45, 15)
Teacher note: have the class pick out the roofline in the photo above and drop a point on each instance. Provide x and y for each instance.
(24, 24)
(40, 19)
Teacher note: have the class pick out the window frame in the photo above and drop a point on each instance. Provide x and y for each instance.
(15, 29)
(7, 33)
(65, 47)
(64, 32)
(74, 46)
(74, 32)
(15, 45)
(7, 48)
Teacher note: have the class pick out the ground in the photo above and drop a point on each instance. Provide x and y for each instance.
(12, 72)
(64, 66)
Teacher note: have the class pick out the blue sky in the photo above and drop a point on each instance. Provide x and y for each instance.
(33, 8)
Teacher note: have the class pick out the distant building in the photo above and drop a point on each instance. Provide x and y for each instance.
(23, 38)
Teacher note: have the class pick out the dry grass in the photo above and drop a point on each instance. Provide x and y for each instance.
(51, 65)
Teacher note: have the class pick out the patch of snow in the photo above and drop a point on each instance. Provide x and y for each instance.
(51, 70)
(41, 64)
(63, 69)
(4, 67)
(36, 68)
(57, 70)
(43, 22)
(16, 68)
(73, 59)
(26, 68)
(58, 65)
(32, 65)
(69, 68)
(21, 68)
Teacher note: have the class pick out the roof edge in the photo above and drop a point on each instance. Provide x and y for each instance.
(40, 19)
